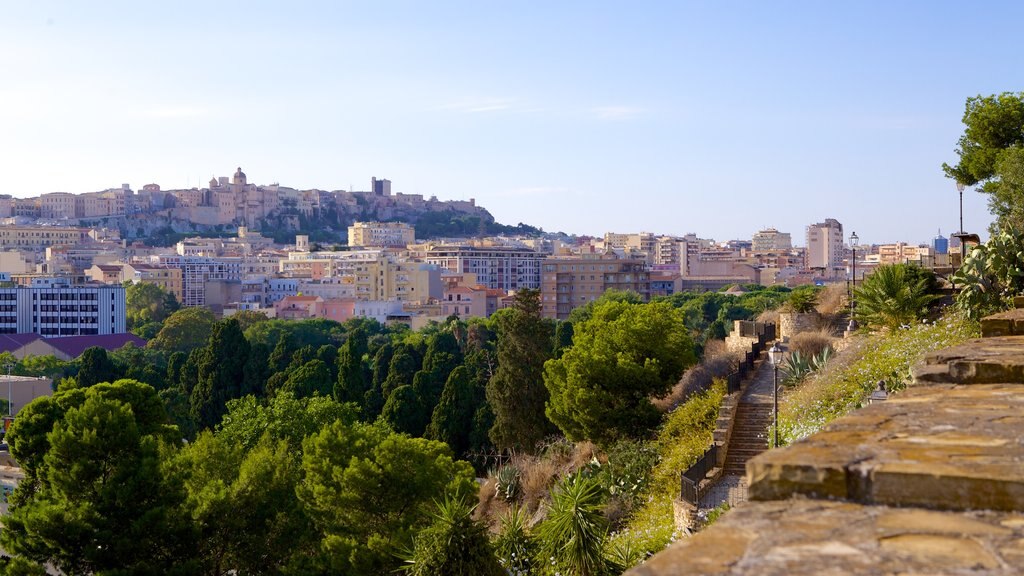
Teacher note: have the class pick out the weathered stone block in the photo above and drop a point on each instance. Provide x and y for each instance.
(982, 360)
(808, 537)
(944, 447)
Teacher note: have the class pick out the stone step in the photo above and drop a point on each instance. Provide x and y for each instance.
(978, 361)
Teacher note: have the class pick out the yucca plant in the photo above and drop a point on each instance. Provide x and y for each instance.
(453, 544)
(515, 546)
(574, 532)
(895, 295)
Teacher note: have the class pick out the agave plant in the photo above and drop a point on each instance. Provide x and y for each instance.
(796, 368)
(509, 483)
(819, 360)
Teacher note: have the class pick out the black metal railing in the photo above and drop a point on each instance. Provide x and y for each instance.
(690, 478)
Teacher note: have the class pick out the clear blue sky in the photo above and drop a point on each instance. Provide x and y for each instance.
(718, 118)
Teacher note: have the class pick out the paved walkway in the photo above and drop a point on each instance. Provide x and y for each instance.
(732, 489)
(759, 389)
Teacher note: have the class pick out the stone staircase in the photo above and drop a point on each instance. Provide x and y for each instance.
(749, 436)
(929, 481)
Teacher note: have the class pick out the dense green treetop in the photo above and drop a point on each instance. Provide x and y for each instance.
(991, 152)
(185, 330)
(621, 357)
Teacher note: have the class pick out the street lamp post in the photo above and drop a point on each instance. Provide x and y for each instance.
(10, 397)
(960, 188)
(775, 357)
(853, 293)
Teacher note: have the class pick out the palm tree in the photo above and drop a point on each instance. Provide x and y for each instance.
(574, 532)
(895, 295)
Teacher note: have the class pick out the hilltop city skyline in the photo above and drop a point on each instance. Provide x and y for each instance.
(719, 119)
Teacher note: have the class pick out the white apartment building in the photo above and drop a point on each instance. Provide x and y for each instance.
(500, 268)
(54, 307)
(196, 271)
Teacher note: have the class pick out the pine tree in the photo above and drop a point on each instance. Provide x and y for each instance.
(516, 392)
(221, 373)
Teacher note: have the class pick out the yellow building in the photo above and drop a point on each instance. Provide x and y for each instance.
(167, 278)
(40, 236)
(380, 234)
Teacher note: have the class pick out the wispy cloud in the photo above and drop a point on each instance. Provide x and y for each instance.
(481, 105)
(617, 112)
(175, 112)
(539, 191)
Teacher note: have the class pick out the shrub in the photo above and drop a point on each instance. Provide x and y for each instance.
(895, 295)
(515, 547)
(453, 543)
(848, 381)
(802, 300)
(574, 532)
(810, 343)
(991, 275)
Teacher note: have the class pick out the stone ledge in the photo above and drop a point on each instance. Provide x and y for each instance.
(1009, 323)
(814, 537)
(949, 447)
(978, 361)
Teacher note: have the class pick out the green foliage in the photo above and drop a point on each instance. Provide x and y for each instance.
(403, 411)
(452, 420)
(312, 378)
(221, 373)
(574, 532)
(627, 474)
(509, 483)
(281, 418)
(581, 314)
(184, 330)
(845, 385)
(709, 315)
(895, 295)
(243, 502)
(97, 495)
(453, 544)
(991, 154)
(368, 490)
(148, 303)
(991, 275)
(516, 548)
(94, 367)
(516, 392)
(803, 299)
(715, 513)
(621, 357)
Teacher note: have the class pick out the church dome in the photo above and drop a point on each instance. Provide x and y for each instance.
(239, 176)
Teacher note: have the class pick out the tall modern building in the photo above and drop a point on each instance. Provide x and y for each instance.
(940, 244)
(496, 267)
(55, 307)
(825, 247)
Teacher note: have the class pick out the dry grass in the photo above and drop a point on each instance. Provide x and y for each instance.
(769, 316)
(538, 476)
(832, 300)
(698, 378)
(811, 343)
(489, 507)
